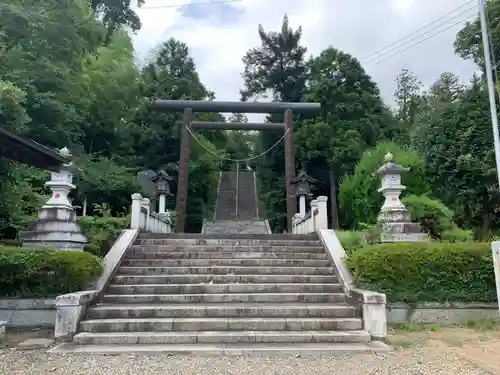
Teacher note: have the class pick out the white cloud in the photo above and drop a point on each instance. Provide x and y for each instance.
(359, 27)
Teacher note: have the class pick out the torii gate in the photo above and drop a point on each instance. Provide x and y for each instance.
(190, 106)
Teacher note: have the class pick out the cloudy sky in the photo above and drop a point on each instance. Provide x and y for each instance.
(218, 35)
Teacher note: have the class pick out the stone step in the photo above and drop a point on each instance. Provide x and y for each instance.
(337, 350)
(219, 337)
(226, 270)
(222, 310)
(229, 248)
(228, 298)
(221, 279)
(225, 242)
(220, 324)
(223, 255)
(252, 236)
(223, 288)
(225, 262)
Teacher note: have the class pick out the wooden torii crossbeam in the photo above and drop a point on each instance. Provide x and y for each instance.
(190, 106)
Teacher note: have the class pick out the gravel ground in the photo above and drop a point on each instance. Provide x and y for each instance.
(409, 361)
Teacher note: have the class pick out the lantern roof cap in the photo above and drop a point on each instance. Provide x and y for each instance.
(303, 177)
(390, 167)
(162, 174)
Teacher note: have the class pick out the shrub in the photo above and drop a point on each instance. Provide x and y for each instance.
(427, 271)
(45, 273)
(358, 196)
(351, 240)
(457, 235)
(101, 232)
(432, 214)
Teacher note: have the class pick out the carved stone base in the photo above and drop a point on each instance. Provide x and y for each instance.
(399, 215)
(397, 227)
(403, 237)
(55, 228)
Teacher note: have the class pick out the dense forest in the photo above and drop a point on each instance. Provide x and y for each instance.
(69, 77)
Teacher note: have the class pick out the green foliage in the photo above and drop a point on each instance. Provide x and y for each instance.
(432, 214)
(457, 235)
(427, 271)
(101, 232)
(351, 240)
(45, 272)
(359, 198)
(468, 42)
(278, 66)
(457, 148)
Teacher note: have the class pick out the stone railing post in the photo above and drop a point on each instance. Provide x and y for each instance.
(322, 217)
(312, 221)
(146, 204)
(295, 220)
(135, 219)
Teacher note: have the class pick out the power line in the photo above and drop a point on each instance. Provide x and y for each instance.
(372, 56)
(215, 2)
(421, 41)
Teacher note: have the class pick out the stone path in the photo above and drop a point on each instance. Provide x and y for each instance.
(444, 352)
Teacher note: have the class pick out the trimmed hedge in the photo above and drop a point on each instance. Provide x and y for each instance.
(413, 272)
(44, 272)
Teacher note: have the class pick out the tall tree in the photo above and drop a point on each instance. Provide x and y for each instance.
(277, 67)
(458, 151)
(408, 98)
(353, 118)
(116, 14)
(469, 43)
(171, 74)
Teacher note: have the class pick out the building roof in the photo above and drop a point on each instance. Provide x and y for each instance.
(16, 147)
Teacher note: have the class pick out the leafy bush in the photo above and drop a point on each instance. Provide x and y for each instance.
(351, 240)
(457, 235)
(432, 214)
(435, 271)
(358, 196)
(101, 232)
(45, 273)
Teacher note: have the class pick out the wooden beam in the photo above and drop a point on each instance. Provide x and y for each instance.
(234, 107)
(204, 125)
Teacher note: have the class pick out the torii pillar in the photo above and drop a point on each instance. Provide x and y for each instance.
(291, 203)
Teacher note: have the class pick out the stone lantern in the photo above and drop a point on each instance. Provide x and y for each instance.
(303, 189)
(394, 216)
(56, 226)
(162, 180)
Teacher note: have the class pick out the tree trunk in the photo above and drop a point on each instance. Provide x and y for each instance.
(333, 198)
(485, 228)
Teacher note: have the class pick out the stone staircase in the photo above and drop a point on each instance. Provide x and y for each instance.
(224, 295)
(226, 196)
(247, 197)
(235, 227)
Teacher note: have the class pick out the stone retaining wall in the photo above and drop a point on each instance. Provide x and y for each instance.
(443, 313)
(24, 313)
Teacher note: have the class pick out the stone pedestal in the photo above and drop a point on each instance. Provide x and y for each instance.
(56, 226)
(394, 218)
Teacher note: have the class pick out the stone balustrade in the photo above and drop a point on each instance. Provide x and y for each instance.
(143, 218)
(315, 219)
